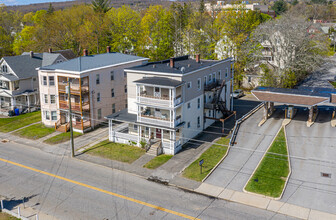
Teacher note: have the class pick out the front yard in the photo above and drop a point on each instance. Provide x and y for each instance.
(16, 122)
(158, 161)
(115, 151)
(35, 131)
(60, 138)
(270, 177)
(211, 157)
(5, 216)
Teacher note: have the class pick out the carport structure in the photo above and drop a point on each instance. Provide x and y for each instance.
(310, 97)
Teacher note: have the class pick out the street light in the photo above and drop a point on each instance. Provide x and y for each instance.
(67, 89)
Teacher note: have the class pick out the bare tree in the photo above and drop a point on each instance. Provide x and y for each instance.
(290, 47)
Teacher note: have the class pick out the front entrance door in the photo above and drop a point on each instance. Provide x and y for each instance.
(158, 133)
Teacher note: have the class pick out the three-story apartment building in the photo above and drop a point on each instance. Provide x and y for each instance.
(97, 88)
(171, 101)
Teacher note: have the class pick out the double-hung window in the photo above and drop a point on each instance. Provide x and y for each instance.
(51, 81)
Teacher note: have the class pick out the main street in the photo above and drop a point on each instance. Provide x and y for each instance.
(67, 188)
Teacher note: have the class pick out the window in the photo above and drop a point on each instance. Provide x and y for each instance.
(227, 72)
(189, 105)
(125, 74)
(135, 127)
(204, 98)
(126, 103)
(45, 98)
(219, 75)
(34, 79)
(189, 85)
(210, 78)
(4, 69)
(16, 85)
(112, 92)
(112, 75)
(52, 101)
(47, 115)
(198, 103)
(188, 125)
(44, 80)
(205, 80)
(97, 79)
(199, 83)
(99, 113)
(209, 97)
(98, 97)
(54, 115)
(51, 81)
(214, 77)
(198, 122)
(125, 88)
(113, 108)
(209, 113)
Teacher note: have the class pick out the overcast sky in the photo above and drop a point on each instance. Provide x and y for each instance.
(27, 2)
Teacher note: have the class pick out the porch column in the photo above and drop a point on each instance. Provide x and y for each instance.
(139, 136)
(271, 108)
(310, 116)
(28, 102)
(110, 130)
(13, 103)
(174, 117)
(149, 133)
(266, 111)
(171, 98)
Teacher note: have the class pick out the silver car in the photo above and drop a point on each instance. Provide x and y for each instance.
(237, 93)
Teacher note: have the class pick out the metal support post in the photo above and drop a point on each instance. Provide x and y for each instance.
(70, 116)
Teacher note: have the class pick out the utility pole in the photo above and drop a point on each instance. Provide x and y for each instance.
(70, 116)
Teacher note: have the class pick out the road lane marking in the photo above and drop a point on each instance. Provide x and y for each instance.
(101, 190)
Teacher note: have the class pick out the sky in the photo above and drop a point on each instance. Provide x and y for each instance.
(27, 2)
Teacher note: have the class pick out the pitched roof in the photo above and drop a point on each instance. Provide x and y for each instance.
(25, 66)
(67, 54)
(86, 63)
(160, 81)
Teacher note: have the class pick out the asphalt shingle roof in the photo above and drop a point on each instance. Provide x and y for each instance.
(86, 63)
(160, 81)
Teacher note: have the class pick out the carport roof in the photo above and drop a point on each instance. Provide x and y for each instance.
(306, 96)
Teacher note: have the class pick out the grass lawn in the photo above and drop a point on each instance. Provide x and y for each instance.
(270, 177)
(60, 138)
(16, 122)
(35, 131)
(115, 151)
(158, 161)
(211, 157)
(5, 216)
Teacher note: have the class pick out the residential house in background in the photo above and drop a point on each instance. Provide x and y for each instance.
(97, 86)
(171, 101)
(18, 80)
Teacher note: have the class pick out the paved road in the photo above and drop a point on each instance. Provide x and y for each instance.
(244, 156)
(70, 200)
(315, 146)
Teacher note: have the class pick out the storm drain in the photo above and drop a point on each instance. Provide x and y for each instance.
(328, 175)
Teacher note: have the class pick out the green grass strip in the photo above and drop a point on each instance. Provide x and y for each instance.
(116, 151)
(16, 122)
(61, 138)
(211, 157)
(158, 161)
(35, 131)
(270, 177)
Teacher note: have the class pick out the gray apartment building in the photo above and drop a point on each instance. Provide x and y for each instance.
(171, 101)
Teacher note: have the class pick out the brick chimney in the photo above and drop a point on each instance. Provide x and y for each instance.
(171, 63)
(85, 52)
(31, 54)
(108, 49)
(50, 50)
(198, 58)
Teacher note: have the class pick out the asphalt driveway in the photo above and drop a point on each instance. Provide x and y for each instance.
(312, 151)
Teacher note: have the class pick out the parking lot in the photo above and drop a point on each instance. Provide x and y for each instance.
(313, 152)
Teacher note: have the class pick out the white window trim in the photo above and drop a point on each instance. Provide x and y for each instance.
(199, 85)
(189, 83)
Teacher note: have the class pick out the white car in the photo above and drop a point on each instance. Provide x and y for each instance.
(237, 93)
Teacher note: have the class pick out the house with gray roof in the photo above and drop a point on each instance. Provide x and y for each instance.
(171, 101)
(18, 80)
(97, 88)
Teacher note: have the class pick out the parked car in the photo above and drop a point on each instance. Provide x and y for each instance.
(237, 93)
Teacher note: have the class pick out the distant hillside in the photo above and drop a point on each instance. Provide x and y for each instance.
(62, 5)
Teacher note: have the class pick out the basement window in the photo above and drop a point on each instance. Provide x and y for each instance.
(327, 175)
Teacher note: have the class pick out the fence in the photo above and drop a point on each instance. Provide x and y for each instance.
(17, 215)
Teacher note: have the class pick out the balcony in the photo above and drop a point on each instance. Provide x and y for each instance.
(158, 100)
(211, 85)
(75, 106)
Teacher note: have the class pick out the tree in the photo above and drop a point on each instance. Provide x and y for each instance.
(101, 6)
(50, 9)
(280, 7)
(295, 47)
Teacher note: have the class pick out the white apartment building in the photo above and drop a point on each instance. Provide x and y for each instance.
(97, 87)
(171, 101)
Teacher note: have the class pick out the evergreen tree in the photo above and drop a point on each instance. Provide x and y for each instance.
(50, 9)
(101, 6)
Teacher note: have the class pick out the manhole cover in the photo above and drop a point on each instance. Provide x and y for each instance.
(328, 175)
